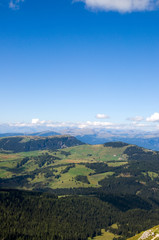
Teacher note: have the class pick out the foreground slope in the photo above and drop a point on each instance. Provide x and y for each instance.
(150, 234)
(38, 216)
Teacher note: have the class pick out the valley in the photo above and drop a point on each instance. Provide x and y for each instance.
(95, 187)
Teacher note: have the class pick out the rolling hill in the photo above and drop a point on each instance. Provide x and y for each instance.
(33, 143)
(113, 167)
(112, 187)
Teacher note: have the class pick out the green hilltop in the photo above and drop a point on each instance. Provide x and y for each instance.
(34, 143)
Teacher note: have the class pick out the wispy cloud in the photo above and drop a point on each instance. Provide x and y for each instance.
(153, 118)
(121, 5)
(136, 119)
(102, 116)
(15, 4)
(44, 125)
(51, 124)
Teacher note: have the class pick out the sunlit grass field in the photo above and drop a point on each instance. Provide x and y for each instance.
(78, 155)
(150, 234)
(105, 235)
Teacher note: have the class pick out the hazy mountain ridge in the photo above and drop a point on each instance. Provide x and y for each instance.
(42, 134)
(34, 143)
(148, 140)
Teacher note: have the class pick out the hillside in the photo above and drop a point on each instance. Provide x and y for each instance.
(34, 143)
(38, 216)
(121, 180)
(113, 168)
(150, 234)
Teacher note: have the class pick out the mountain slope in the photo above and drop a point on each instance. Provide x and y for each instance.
(112, 168)
(114, 184)
(31, 143)
(150, 234)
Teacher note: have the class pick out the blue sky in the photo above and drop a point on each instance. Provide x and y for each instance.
(66, 61)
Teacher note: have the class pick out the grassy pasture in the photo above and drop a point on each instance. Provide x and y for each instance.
(6, 156)
(152, 175)
(116, 164)
(104, 236)
(80, 154)
(96, 153)
(94, 179)
(5, 174)
(31, 154)
(67, 180)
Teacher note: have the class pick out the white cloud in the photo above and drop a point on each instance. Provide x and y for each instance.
(95, 124)
(136, 119)
(121, 5)
(153, 118)
(50, 124)
(35, 121)
(15, 4)
(136, 123)
(102, 116)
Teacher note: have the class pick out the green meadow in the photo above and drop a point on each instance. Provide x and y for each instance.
(12, 164)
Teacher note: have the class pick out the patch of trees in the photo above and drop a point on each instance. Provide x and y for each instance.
(65, 153)
(125, 202)
(22, 162)
(15, 181)
(121, 185)
(49, 174)
(81, 178)
(65, 170)
(115, 144)
(138, 153)
(98, 167)
(45, 158)
(22, 181)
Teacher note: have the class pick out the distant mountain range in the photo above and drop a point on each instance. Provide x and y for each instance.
(150, 143)
(148, 140)
(40, 134)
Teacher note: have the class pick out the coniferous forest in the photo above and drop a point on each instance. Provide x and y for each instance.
(35, 215)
